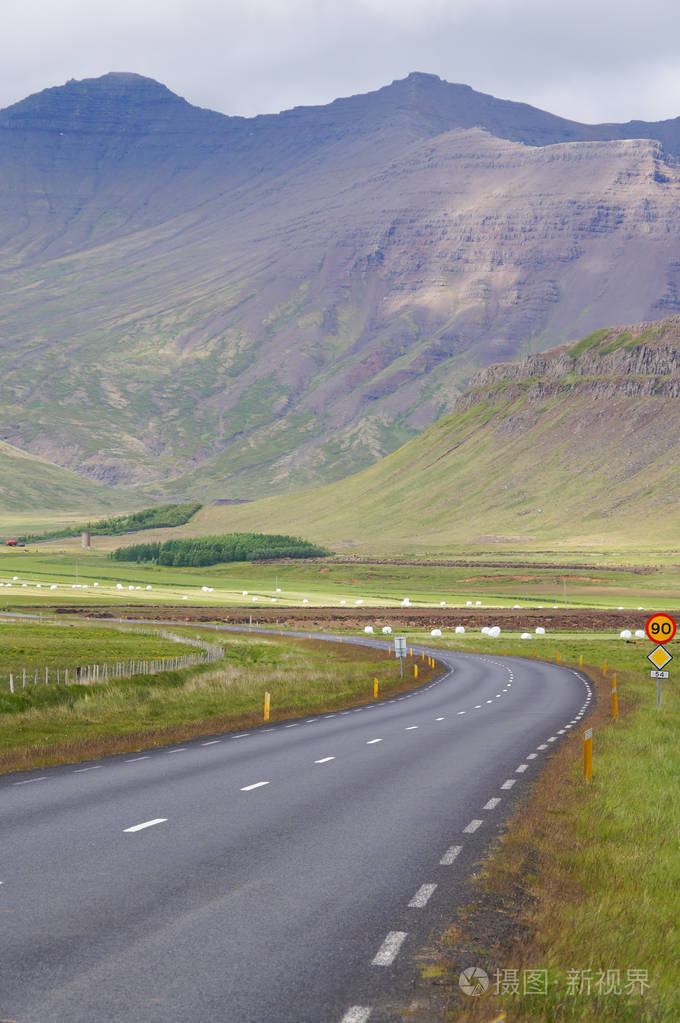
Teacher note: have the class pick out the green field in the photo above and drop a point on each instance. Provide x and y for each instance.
(631, 580)
(64, 645)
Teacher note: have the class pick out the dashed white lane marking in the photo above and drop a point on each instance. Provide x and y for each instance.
(324, 760)
(531, 756)
(310, 720)
(509, 783)
(81, 770)
(182, 749)
(450, 855)
(389, 949)
(478, 706)
(244, 735)
(211, 743)
(489, 701)
(439, 719)
(357, 1014)
(422, 896)
(561, 731)
(553, 738)
(492, 804)
(461, 711)
(370, 742)
(472, 826)
(29, 781)
(146, 824)
(136, 759)
(256, 785)
(327, 716)
(409, 728)
(294, 725)
(542, 746)
(522, 767)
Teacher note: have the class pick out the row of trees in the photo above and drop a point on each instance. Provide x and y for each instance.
(160, 517)
(212, 550)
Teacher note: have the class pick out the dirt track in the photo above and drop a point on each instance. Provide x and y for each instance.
(317, 618)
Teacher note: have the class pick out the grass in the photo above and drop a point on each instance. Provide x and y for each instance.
(629, 579)
(64, 645)
(588, 874)
(57, 724)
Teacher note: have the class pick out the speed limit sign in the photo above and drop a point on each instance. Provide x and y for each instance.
(660, 628)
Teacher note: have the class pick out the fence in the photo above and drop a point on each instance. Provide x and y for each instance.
(89, 673)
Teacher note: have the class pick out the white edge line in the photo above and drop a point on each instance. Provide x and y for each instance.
(257, 785)
(422, 896)
(450, 855)
(389, 949)
(29, 780)
(211, 743)
(135, 759)
(324, 760)
(357, 1014)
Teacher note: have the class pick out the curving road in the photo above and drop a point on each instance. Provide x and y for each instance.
(280, 875)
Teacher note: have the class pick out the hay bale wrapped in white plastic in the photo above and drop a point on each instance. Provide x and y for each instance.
(460, 630)
(442, 603)
(639, 633)
(495, 631)
(435, 632)
(539, 630)
(387, 630)
(368, 629)
(625, 634)
(406, 602)
(484, 630)
(525, 635)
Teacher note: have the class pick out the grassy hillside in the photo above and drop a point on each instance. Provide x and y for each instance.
(225, 308)
(35, 493)
(577, 446)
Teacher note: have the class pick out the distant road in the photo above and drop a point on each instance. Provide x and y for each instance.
(279, 875)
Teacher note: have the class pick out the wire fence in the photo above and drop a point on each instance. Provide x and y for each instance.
(106, 671)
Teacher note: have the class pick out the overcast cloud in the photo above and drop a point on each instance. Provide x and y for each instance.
(591, 60)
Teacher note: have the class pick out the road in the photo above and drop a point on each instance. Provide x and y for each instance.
(281, 875)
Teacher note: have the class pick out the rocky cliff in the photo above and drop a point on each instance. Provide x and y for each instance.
(223, 307)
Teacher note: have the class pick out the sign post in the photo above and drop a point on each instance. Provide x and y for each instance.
(660, 628)
(400, 652)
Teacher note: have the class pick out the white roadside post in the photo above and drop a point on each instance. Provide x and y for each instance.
(400, 652)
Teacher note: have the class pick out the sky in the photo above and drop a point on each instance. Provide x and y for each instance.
(589, 60)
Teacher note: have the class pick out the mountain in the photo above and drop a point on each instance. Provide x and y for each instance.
(577, 445)
(196, 304)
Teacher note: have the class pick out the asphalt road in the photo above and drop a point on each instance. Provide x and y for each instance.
(281, 875)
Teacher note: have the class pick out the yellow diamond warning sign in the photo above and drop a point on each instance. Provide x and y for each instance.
(659, 657)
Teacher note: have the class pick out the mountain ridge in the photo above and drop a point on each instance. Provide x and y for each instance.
(226, 305)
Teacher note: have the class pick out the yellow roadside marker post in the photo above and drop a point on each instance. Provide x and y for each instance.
(615, 698)
(588, 755)
(604, 668)
(580, 660)
(415, 671)
(266, 706)
(558, 658)
(375, 689)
